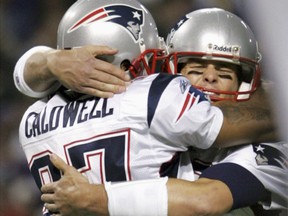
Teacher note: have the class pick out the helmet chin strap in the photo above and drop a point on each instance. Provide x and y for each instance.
(244, 87)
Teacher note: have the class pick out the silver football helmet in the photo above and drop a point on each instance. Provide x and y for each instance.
(122, 24)
(216, 34)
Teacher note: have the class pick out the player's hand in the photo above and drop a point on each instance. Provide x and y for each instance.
(73, 195)
(80, 70)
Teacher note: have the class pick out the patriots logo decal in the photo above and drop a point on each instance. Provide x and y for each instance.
(114, 13)
(267, 155)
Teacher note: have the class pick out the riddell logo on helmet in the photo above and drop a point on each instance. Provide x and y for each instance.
(223, 48)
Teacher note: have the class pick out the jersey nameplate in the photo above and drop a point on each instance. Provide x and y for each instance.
(75, 112)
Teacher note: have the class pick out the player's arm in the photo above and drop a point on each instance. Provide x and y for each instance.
(41, 68)
(247, 122)
(73, 195)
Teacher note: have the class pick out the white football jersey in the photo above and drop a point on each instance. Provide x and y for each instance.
(269, 163)
(139, 134)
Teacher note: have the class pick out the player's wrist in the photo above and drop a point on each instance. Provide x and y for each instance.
(88, 199)
(37, 73)
(38, 67)
(98, 201)
(24, 74)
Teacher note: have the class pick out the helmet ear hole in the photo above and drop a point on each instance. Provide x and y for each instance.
(125, 65)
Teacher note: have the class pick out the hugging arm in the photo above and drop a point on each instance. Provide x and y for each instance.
(73, 195)
(247, 122)
(41, 69)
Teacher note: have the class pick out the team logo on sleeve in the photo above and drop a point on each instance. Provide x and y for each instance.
(184, 84)
(268, 155)
(114, 13)
(194, 96)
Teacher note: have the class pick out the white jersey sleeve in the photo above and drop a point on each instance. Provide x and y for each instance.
(18, 75)
(182, 115)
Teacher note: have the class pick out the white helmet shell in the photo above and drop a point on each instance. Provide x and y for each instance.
(122, 24)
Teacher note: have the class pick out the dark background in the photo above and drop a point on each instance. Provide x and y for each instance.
(25, 24)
